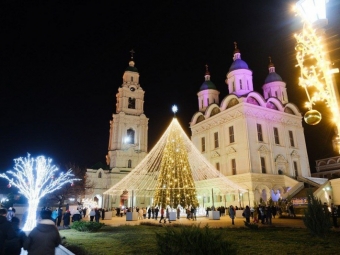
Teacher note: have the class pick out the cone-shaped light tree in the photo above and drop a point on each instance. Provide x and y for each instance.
(175, 183)
(36, 177)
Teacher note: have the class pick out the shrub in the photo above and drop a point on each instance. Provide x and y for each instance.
(87, 226)
(193, 240)
(251, 225)
(317, 218)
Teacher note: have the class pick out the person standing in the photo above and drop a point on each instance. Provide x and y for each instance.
(334, 212)
(291, 209)
(153, 212)
(194, 210)
(168, 214)
(6, 230)
(246, 214)
(10, 214)
(156, 212)
(60, 215)
(97, 215)
(44, 238)
(103, 213)
(92, 214)
(274, 211)
(54, 215)
(162, 216)
(14, 245)
(149, 212)
(76, 216)
(66, 219)
(232, 214)
(178, 212)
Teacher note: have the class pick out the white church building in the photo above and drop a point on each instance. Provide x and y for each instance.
(128, 138)
(255, 139)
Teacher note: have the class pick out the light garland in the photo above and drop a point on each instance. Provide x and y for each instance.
(36, 177)
(175, 185)
(174, 161)
(316, 72)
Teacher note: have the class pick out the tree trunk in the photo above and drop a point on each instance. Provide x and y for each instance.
(31, 219)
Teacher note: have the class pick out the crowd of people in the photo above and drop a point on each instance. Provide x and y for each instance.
(43, 239)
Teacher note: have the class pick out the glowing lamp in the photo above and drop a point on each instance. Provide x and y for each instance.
(314, 11)
(312, 117)
(174, 109)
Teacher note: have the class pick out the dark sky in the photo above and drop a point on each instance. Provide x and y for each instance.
(62, 63)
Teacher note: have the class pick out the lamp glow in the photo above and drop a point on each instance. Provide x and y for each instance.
(174, 109)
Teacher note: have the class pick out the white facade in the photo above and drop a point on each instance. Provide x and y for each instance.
(256, 140)
(128, 138)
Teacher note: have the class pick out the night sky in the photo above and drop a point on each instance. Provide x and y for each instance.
(62, 63)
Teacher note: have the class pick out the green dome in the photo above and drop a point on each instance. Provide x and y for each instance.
(131, 69)
(207, 85)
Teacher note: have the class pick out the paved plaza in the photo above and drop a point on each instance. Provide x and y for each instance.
(224, 221)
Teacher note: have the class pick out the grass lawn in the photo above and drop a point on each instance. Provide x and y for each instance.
(141, 239)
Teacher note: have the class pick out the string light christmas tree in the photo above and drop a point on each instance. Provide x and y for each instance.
(36, 177)
(175, 184)
(174, 172)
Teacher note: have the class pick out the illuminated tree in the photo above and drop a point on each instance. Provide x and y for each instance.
(36, 177)
(175, 184)
(75, 190)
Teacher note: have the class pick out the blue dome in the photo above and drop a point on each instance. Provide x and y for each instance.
(238, 64)
(271, 77)
(207, 85)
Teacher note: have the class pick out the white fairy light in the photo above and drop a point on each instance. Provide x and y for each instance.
(143, 179)
(35, 177)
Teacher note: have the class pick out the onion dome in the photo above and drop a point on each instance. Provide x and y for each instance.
(207, 84)
(272, 76)
(131, 66)
(238, 62)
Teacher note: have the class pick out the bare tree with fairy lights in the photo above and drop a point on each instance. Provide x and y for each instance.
(36, 177)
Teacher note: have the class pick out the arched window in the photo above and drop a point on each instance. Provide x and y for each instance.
(130, 136)
(100, 175)
(129, 163)
(132, 103)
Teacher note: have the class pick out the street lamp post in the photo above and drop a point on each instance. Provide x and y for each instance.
(314, 62)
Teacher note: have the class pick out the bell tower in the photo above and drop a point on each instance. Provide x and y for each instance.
(128, 137)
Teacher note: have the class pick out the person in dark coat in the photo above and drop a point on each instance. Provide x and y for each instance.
(97, 215)
(76, 216)
(66, 219)
(6, 230)
(156, 212)
(232, 213)
(103, 213)
(44, 238)
(14, 245)
(246, 214)
(60, 216)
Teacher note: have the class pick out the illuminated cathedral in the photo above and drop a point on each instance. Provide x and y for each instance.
(253, 139)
